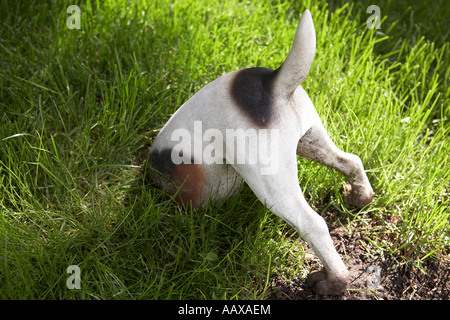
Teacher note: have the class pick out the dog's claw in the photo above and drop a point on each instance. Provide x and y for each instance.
(323, 284)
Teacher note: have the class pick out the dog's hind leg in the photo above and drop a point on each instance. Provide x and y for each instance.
(281, 193)
(317, 145)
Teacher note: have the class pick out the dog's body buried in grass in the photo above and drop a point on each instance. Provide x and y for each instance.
(262, 99)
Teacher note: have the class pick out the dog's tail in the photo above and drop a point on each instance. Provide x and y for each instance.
(298, 62)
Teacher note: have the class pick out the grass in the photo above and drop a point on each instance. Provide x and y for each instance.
(79, 109)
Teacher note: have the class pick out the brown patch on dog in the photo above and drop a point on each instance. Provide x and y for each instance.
(189, 179)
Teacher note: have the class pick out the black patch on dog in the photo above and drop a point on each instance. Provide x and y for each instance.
(162, 161)
(159, 166)
(252, 91)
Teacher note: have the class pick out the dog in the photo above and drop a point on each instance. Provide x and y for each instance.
(271, 109)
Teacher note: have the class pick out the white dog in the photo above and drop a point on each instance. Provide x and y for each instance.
(201, 153)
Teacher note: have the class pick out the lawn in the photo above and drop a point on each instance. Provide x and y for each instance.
(79, 109)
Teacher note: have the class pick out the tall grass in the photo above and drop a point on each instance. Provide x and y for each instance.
(79, 110)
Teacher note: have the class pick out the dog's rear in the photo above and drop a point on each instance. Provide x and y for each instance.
(265, 101)
(252, 93)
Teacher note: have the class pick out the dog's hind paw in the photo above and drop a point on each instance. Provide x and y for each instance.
(323, 284)
(357, 197)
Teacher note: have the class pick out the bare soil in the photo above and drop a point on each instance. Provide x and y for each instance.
(380, 278)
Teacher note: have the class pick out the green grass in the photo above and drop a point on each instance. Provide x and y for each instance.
(79, 109)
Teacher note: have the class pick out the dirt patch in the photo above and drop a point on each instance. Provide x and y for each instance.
(380, 278)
